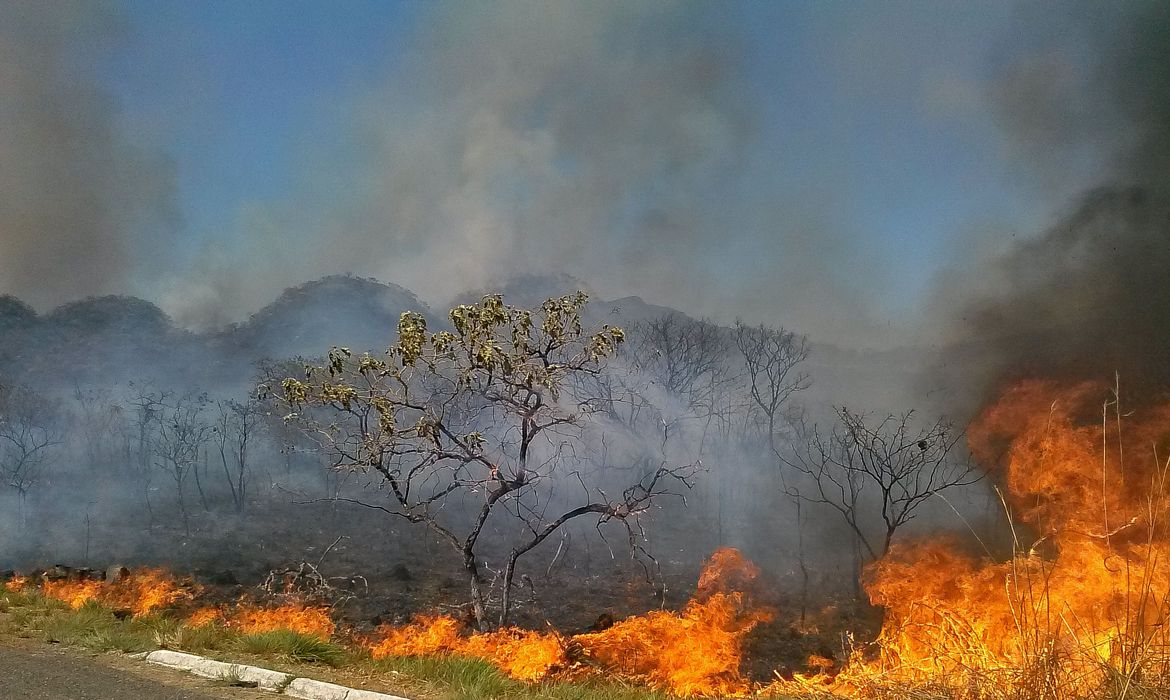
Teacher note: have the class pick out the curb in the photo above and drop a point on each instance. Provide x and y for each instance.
(274, 681)
(309, 689)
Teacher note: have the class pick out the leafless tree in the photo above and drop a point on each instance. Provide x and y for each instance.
(100, 425)
(181, 433)
(688, 360)
(29, 430)
(481, 416)
(620, 393)
(878, 475)
(147, 407)
(234, 429)
(772, 357)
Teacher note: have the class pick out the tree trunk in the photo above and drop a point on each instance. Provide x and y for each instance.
(506, 596)
(800, 558)
(183, 507)
(228, 473)
(478, 608)
(199, 483)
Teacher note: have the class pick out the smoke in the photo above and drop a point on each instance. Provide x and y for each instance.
(79, 203)
(609, 141)
(507, 138)
(1090, 294)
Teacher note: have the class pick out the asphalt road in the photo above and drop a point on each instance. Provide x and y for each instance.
(38, 671)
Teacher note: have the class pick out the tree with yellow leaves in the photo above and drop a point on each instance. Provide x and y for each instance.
(483, 415)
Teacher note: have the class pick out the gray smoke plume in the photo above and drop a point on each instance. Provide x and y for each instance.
(77, 199)
(510, 135)
(606, 140)
(1090, 295)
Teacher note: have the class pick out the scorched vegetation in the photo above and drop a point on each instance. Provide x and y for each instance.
(515, 502)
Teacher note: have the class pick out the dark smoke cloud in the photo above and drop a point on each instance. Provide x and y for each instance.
(79, 203)
(1090, 295)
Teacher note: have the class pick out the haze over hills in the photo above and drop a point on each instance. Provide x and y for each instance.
(308, 319)
(117, 339)
(108, 363)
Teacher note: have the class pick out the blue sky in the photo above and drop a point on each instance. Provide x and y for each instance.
(837, 161)
(236, 92)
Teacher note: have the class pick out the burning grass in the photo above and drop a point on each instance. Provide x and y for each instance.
(310, 621)
(1078, 610)
(30, 613)
(138, 592)
(697, 651)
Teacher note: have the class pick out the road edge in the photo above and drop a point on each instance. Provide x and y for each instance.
(265, 679)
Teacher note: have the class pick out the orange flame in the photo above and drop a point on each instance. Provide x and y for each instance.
(522, 654)
(427, 635)
(302, 619)
(205, 616)
(145, 590)
(695, 652)
(74, 593)
(1087, 592)
(140, 592)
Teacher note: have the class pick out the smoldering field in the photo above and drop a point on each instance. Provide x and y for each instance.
(128, 438)
(134, 412)
(156, 446)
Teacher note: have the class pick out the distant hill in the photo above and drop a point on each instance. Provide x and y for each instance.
(107, 339)
(531, 290)
(307, 320)
(526, 290)
(116, 339)
(15, 314)
(119, 339)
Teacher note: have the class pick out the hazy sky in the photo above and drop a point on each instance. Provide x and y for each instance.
(823, 165)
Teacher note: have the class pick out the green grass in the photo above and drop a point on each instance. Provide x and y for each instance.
(292, 645)
(13, 601)
(207, 638)
(468, 678)
(461, 678)
(95, 627)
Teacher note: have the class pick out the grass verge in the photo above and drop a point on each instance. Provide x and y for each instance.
(95, 627)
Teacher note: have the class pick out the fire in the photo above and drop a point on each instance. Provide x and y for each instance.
(141, 591)
(310, 620)
(522, 654)
(1083, 597)
(205, 616)
(693, 652)
(145, 590)
(727, 571)
(426, 636)
(74, 593)
(251, 618)
(1086, 594)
